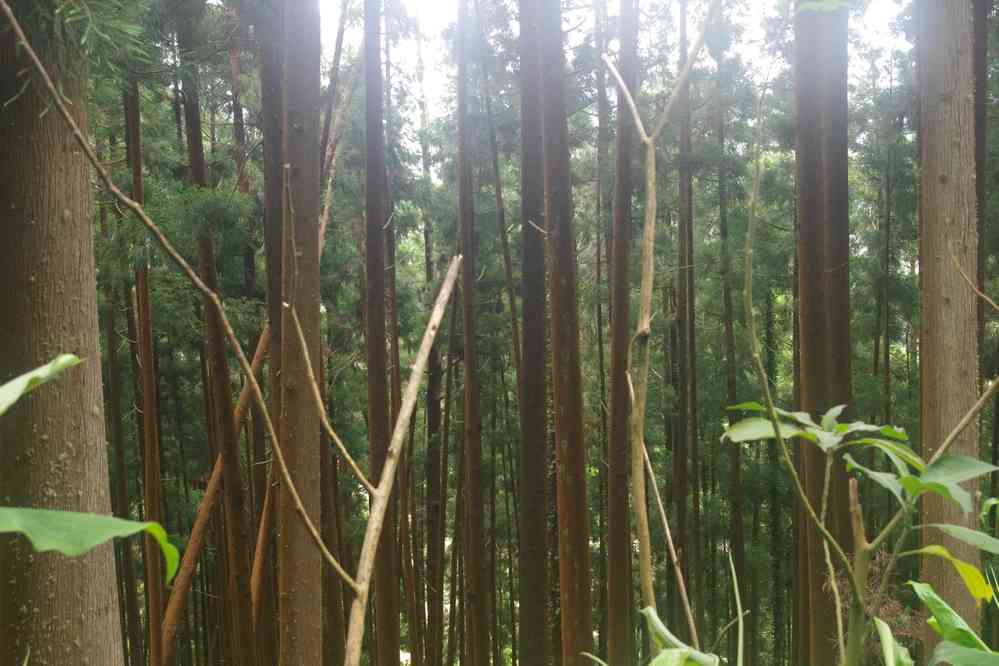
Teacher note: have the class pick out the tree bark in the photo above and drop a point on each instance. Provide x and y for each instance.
(948, 202)
(570, 444)
(534, 646)
(620, 638)
(823, 298)
(63, 610)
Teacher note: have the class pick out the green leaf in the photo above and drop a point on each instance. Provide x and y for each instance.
(747, 407)
(13, 390)
(756, 428)
(970, 574)
(829, 419)
(958, 655)
(980, 540)
(949, 624)
(893, 448)
(74, 534)
(957, 469)
(893, 653)
(894, 433)
(886, 480)
(916, 487)
(987, 507)
(677, 657)
(802, 418)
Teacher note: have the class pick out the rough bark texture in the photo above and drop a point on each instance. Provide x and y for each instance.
(299, 562)
(534, 647)
(64, 610)
(620, 638)
(570, 444)
(948, 327)
(823, 298)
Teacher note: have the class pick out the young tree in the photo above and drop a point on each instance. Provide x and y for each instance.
(823, 298)
(949, 246)
(570, 445)
(534, 645)
(53, 609)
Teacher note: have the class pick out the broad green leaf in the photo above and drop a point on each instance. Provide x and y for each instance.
(756, 428)
(829, 419)
(894, 433)
(12, 391)
(892, 653)
(970, 574)
(74, 534)
(958, 655)
(893, 450)
(886, 480)
(747, 407)
(826, 440)
(949, 624)
(802, 418)
(980, 540)
(916, 487)
(957, 469)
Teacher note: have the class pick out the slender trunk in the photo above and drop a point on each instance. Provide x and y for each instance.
(948, 201)
(532, 565)
(386, 582)
(620, 640)
(330, 104)
(778, 537)
(573, 522)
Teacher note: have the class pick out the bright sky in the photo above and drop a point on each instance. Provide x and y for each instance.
(874, 26)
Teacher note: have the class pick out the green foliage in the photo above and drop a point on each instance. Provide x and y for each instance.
(892, 653)
(13, 390)
(75, 534)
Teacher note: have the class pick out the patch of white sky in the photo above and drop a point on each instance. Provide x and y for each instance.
(871, 27)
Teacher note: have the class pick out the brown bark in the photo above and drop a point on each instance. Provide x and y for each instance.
(948, 201)
(386, 582)
(620, 638)
(534, 647)
(238, 122)
(299, 563)
(823, 297)
(65, 610)
(476, 600)
(192, 12)
(574, 549)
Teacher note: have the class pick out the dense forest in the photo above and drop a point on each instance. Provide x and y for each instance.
(498, 332)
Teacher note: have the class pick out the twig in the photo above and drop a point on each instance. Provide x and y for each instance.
(185, 268)
(680, 584)
(317, 396)
(380, 499)
(974, 287)
(725, 630)
(738, 609)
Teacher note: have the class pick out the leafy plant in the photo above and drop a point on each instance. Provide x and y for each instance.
(68, 532)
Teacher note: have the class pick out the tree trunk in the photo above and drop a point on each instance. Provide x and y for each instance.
(60, 610)
(386, 582)
(299, 563)
(823, 297)
(949, 312)
(534, 646)
(570, 445)
(620, 638)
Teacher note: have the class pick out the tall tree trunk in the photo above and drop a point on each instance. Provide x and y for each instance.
(948, 202)
(57, 609)
(823, 297)
(386, 582)
(534, 647)
(689, 483)
(620, 639)
(299, 563)
(737, 538)
(570, 446)
(476, 600)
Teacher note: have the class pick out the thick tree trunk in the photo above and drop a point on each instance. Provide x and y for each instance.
(620, 637)
(534, 646)
(570, 445)
(949, 321)
(823, 298)
(60, 610)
